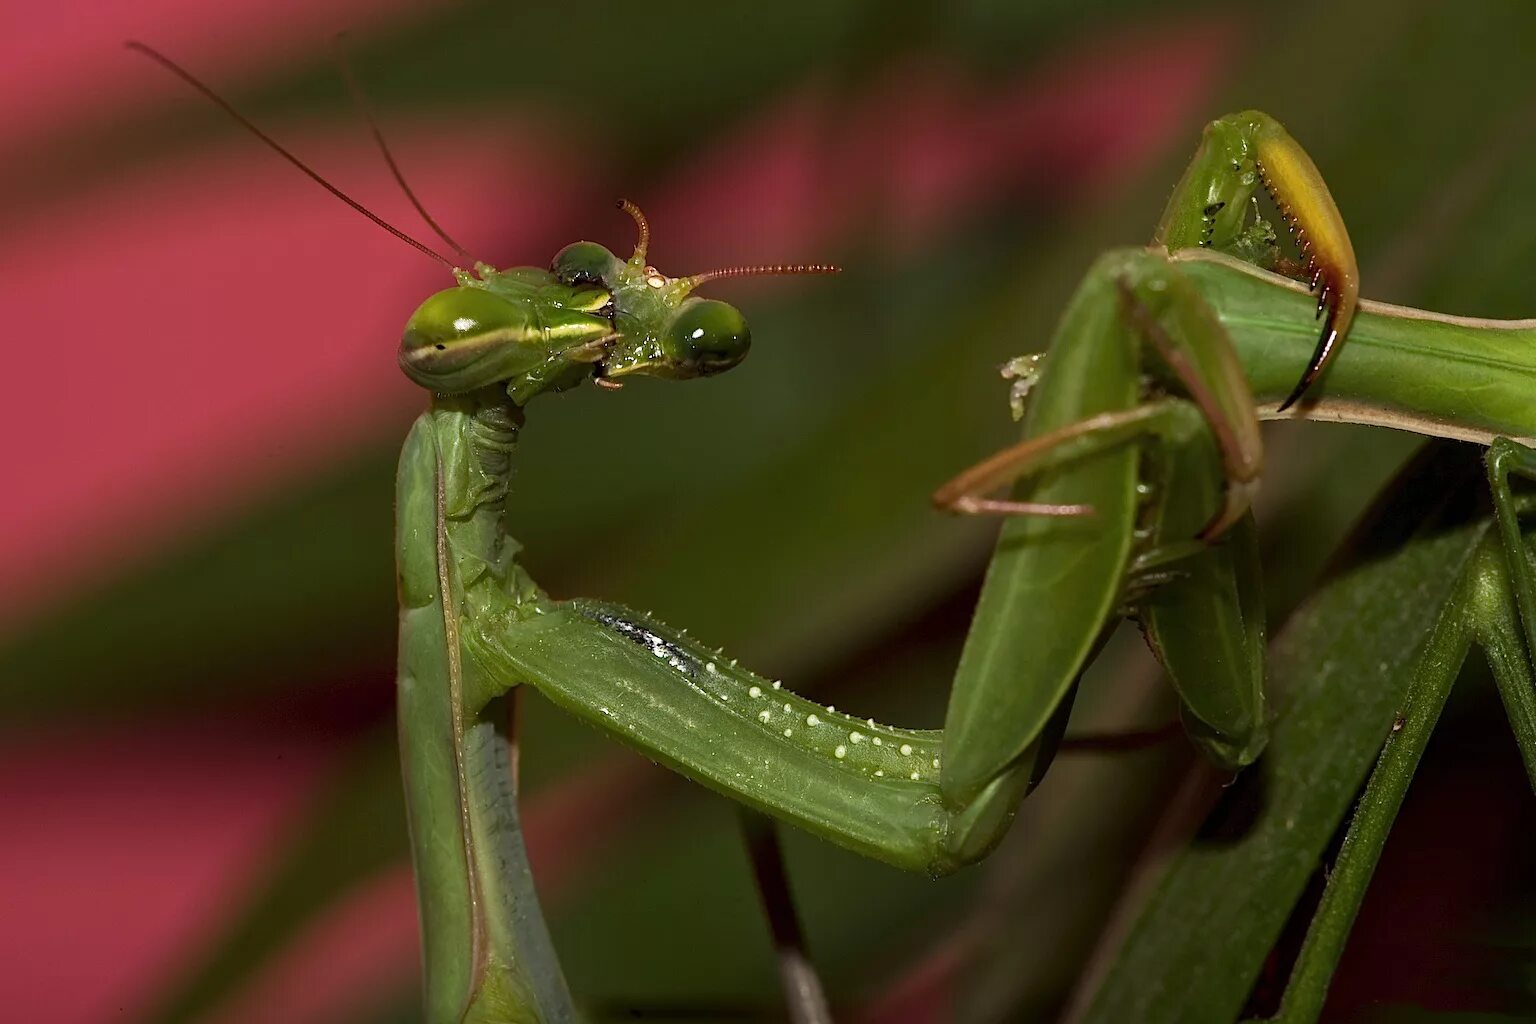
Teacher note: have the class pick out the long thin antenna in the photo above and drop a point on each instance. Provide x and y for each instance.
(694, 280)
(364, 108)
(224, 105)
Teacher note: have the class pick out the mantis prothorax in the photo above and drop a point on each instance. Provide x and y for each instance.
(1144, 414)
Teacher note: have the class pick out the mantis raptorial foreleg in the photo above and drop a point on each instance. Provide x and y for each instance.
(1206, 623)
(1130, 301)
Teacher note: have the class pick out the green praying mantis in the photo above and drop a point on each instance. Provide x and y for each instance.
(1132, 485)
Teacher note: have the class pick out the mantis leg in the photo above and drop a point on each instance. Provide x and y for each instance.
(919, 799)
(486, 951)
(1205, 622)
(1213, 207)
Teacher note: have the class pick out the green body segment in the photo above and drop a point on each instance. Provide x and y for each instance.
(1444, 376)
(1053, 583)
(486, 952)
(1191, 355)
(866, 786)
(1204, 618)
(428, 741)
(1205, 624)
(1210, 208)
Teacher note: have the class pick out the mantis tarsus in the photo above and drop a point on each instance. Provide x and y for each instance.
(1140, 457)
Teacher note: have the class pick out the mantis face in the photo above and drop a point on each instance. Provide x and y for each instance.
(659, 329)
(591, 315)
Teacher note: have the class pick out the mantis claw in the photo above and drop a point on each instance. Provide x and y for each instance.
(1293, 182)
(1212, 208)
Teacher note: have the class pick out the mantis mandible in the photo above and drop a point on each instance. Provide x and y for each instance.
(1140, 458)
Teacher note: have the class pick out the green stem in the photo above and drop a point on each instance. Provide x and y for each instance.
(1444, 650)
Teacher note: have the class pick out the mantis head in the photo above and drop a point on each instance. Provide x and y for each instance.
(592, 314)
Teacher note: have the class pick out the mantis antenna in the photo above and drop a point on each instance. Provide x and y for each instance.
(763, 270)
(364, 108)
(691, 282)
(277, 147)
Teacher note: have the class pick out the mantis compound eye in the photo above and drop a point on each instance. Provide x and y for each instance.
(461, 339)
(585, 263)
(706, 336)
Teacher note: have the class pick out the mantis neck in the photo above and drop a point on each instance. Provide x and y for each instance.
(476, 438)
(487, 953)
